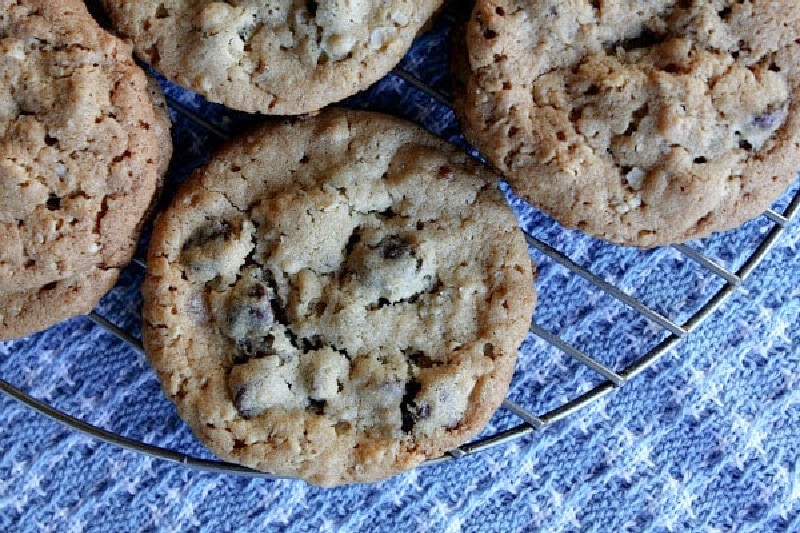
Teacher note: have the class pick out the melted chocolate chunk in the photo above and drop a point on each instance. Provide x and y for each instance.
(217, 229)
(393, 247)
(248, 319)
(311, 7)
(423, 412)
(773, 117)
(240, 402)
(420, 359)
(408, 407)
(316, 406)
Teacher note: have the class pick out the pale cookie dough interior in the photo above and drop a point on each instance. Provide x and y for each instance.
(337, 300)
(273, 56)
(639, 122)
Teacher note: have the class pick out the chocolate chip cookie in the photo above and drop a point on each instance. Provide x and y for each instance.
(642, 123)
(83, 147)
(276, 57)
(337, 298)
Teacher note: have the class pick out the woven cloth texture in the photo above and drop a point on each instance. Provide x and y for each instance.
(706, 439)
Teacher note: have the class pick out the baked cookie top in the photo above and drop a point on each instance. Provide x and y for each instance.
(82, 145)
(337, 298)
(32, 310)
(278, 57)
(641, 123)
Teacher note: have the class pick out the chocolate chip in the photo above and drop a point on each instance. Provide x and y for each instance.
(394, 246)
(311, 7)
(444, 172)
(248, 318)
(314, 343)
(408, 408)
(217, 229)
(771, 118)
(257, 291)
(316, 406)
(646, 39)
(240, 402)
(354, 239)
(245, 317)
(202, 252)
(53, 203)
(420, 359)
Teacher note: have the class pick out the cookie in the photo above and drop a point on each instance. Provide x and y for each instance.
(32, 310)
(83, 147)
(639, 123)
(337, 298)
(275, 57)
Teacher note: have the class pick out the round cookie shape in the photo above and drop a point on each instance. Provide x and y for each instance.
(337, 298)
(277, 57)
(642, 123)
(83, 146)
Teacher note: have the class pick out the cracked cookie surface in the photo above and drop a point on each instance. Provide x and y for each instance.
(642, 123)
(337, 298)
(84, 141)
(279, 57)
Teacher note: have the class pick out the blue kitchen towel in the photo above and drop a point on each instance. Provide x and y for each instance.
(706, 439)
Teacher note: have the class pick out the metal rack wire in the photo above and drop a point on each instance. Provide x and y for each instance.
(528, 421)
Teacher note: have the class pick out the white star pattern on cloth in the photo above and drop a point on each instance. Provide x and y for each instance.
(669, 521)
(672, 485)
(34, 484)
(789, 377)
(78, 526)
(439, 509)
(740, 424)
(652, 329)
(779, 332)
(130, 485)
(455, 525)
(570, 517)
(642, 457)
(44, 391)
(88, 404)
(767, 491)
(712, 393)
(792, 495)
(173, 494)
(756, 440)
(618, 447)
(686, 502)
(527, 470)
(46, 527)
(63, 374)
(4, 484)
(580, 253)
(327, 525)
(157, 511)
(187, 514)
(557, 497)
(18, 467)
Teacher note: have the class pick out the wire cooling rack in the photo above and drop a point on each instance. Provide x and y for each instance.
(600, 371)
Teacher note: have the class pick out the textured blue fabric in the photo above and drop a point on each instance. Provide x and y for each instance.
(704, 440)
